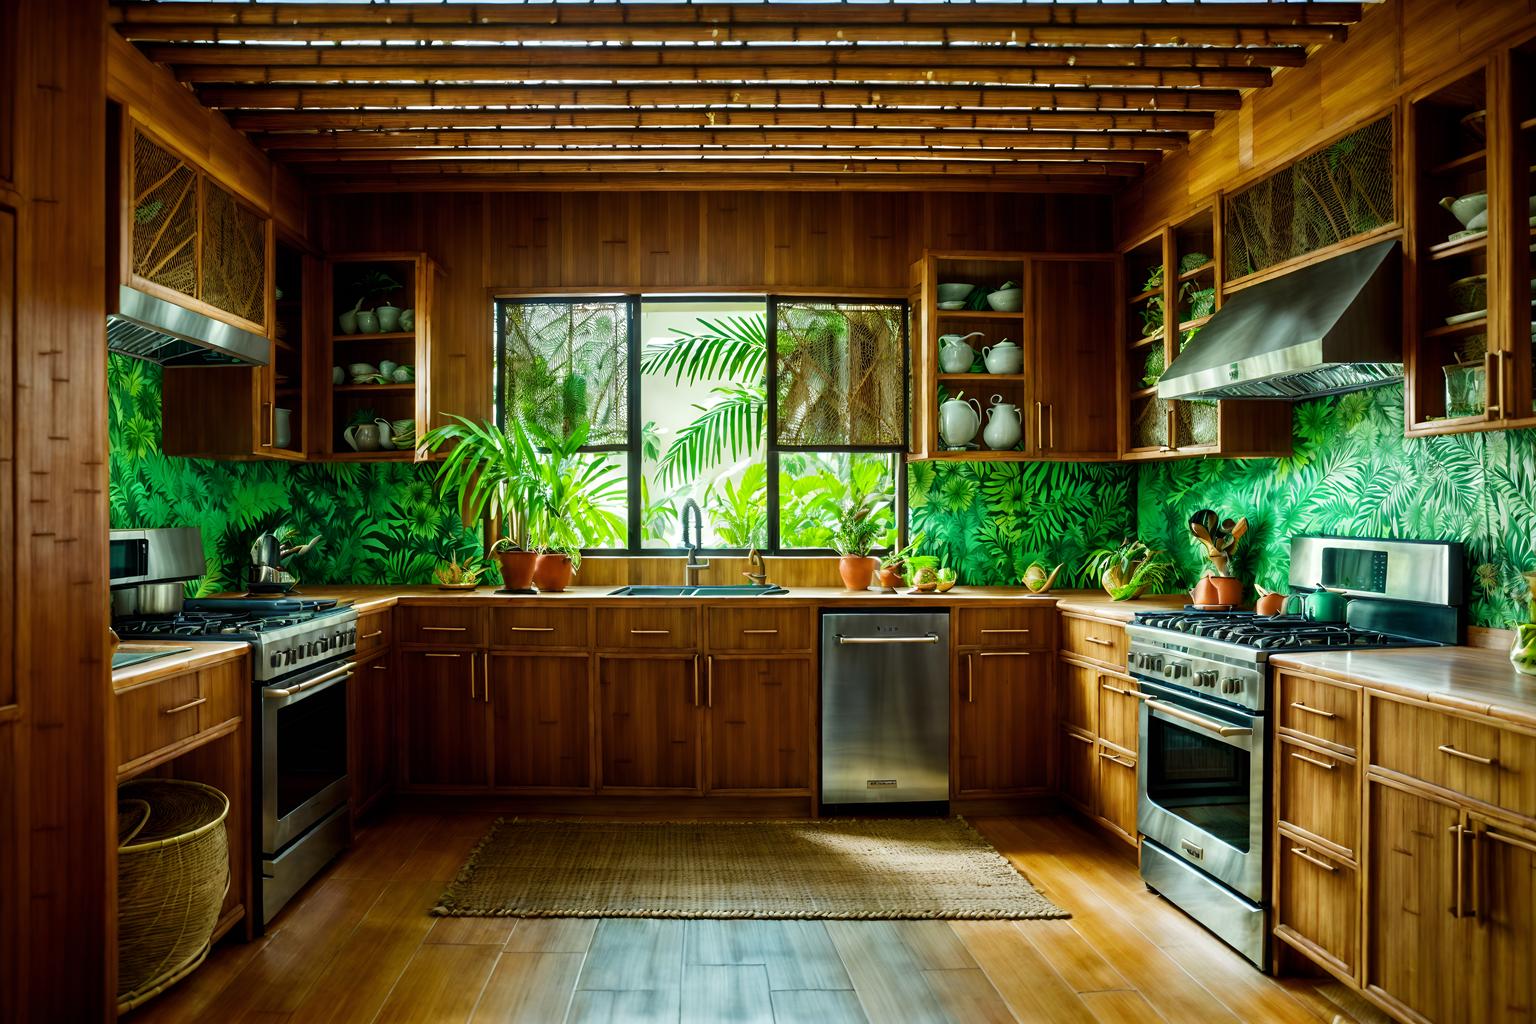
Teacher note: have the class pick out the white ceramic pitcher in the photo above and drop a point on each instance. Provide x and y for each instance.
(368, 437)
(959, 419)
(955, 356)
(1004, 425)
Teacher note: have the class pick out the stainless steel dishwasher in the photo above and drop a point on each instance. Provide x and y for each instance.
(884, 707)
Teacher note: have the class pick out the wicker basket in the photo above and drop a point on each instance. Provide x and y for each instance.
(172, 876)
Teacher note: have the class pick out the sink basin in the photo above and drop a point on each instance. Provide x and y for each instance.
(741, 590)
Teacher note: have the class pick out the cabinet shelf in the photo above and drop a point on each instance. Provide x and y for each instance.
(1141, 393)
(1199, 321)
(385, 389)
(391, 336)
(1459, 247)
(393, 455)
(1143, 342)
(977, 314)
(978, 455)
(1204, 268)
(1460, 163)
(999, 377)
(1450, 331)
(1144, 296)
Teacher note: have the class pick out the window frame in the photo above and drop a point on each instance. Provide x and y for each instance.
(633, 447)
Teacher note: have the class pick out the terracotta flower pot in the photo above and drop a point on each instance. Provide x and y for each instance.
(1270, 604)
(857, 570)
(890, 577)
(1217, 591)
(552, 573)
(517, 568)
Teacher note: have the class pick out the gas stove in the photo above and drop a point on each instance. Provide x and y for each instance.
(1270, 633)
(287, 635)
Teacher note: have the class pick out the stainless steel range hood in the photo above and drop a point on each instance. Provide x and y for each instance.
(147, 327)
(1327, 328)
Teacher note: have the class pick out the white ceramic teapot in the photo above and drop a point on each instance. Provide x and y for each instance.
(955, 356)
(368, 437)
(1004, 425)
(1004, 357)
(959, 419)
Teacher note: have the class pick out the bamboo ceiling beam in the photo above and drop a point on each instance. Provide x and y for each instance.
(311, 97)
(710, 117)
(1195, 34)
(1061, 161)
(547, 71)
(1171, 57)
(1148, 143)
(731, 163)
(409, 179)
(833, 14)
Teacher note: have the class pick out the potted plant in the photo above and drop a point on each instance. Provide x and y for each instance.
(900, 562)
(853, 535)
(1130, 569)
(491, 469)
(569, 507)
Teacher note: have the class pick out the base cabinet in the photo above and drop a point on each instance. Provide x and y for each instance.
(648, 722)
(760, 725)
(1501, 870)
(540, 720)
(445, 723)
(1002, 722)
(1318, 907)
(372, 725)
(1079, 769)
(1117, 790)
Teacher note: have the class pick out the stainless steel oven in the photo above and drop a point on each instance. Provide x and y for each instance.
(303, 752)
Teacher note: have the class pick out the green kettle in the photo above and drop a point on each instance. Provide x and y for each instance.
(1317, 606)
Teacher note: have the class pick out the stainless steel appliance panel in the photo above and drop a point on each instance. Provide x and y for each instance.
(1429, 572)
(303, 753)
(289, 871)
(884, 707)
(1239, 923)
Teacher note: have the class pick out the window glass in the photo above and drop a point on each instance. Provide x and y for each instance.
(841, 373)
(814, 486)
(569, 361)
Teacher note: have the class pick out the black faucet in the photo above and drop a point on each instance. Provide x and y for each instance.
(693, 566)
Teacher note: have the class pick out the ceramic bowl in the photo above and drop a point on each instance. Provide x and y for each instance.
(387, 366)
(952, 304)
(1469, 293)
(1467, 208)
(955, 292)
(1009, 300)
(403, 374)
(361, 369)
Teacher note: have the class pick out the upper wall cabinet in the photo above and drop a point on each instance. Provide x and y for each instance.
(1468, 318)
(1171, 282)
(1008, 357)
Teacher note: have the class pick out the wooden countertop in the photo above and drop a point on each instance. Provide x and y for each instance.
(202, 654)
(1100, 604)
(1479, 680)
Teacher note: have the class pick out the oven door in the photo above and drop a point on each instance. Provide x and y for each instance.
(1200, 784)
(303, 752)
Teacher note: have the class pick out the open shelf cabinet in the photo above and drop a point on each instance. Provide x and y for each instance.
(1467, 317)
(1063, 332)
(1171, 281)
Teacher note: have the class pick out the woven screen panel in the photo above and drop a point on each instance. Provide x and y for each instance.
(164, 217)
(1341, 191)
(234, 256)
(567, 362)
(841, 374)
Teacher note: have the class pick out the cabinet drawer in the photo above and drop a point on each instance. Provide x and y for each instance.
(1517, 773)
(156, 715)
(540, 627)
(1079, 697)
(1324, 711)
(631, 628)
(760, 629)
(1319, 793)
(1119, 712)
(442, 626)
(1318, 906)
(1079, 768)
(224, 686)
(1004, 627)
(373, 632)
(1094, 640)
(1117, 791)
(1444, 750)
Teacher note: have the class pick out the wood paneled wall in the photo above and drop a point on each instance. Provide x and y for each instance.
(786, 242)
(57, 811)
(1398, 46)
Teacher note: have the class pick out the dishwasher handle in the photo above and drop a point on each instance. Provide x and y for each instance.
(927, 638)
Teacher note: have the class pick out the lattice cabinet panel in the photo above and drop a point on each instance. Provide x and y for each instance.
(234, 256)
(165, 216)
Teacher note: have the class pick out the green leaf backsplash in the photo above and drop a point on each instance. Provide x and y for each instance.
(1353, 473)
(379, 523)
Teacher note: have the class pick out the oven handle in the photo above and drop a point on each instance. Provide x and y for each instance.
(327, 679)
(1209, 724)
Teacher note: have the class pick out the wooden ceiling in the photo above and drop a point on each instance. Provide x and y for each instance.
(1062, 96)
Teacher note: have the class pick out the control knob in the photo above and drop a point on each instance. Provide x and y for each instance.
(1231, 684)
(276, 659)
(1205, 677)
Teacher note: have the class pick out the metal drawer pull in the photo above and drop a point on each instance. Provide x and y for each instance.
(759, 632)
(380, 668)
(1446, 748)
(1312, 711)
(1002, 654)
(1100, 641)
(1197, 852)
(1317, 862)
(188, 706)
(1122, 762)
(445, 629)
(370, 636)
(1314, 761)
(533, 629)
(931, 638)
(1122, 691)
(434, 654)
(1214, 726)
(650, 632)
(1006, 631)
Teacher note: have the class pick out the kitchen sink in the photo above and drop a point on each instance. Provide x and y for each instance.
(741, 590)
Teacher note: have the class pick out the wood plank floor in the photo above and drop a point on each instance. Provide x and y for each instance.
(358, 945)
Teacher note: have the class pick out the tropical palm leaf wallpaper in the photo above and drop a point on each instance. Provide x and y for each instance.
(1353, 473)
(379, 523)
(990, 520)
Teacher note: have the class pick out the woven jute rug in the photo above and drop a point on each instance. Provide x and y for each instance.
(848, 869)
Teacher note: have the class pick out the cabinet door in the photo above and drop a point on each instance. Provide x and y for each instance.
(1117, 791)
(541, 720)
(1078, 769)
(1077, 696)
(1414, 932)
(372, 721)
(760, 732)
(1004, 721)
(648, 721)
(1503, 901)
(446, 741)
(1072, 326)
